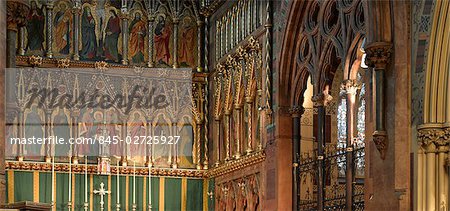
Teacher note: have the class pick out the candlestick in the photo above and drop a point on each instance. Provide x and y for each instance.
(134, 182)
(53, 180)
(70, 178)
(85, 181)
(118, 189)
(149, 186)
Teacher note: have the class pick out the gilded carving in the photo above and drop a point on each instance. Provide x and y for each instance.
(35, 61)
(101, 65)
(63, 63)
(16, 14)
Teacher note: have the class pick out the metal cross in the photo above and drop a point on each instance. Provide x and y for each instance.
(102, 192)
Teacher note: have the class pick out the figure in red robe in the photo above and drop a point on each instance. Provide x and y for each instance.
(163, 33)
(187, 47)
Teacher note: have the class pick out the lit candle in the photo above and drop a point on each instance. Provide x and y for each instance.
(118, 192)
(85, 180)
(134, 182)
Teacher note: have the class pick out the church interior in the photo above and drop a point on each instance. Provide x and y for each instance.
(271, 104)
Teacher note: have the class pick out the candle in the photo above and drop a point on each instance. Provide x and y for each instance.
(85, 181)
(149, 184)
(53, 180)
(70, 178)
(118, 192)
(134, 182)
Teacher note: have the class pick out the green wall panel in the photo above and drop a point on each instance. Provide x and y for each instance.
(194, 196)
(23, 181)
(45, 187)
(172, 194)
(155, 193)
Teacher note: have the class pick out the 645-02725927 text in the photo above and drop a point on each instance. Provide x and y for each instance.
(129, 140)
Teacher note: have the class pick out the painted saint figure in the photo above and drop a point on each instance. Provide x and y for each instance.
(61, 130)
(86, 127)
(138, 31)
(112, 37)
(187, 48)
(88, 39)
(63, 33)
(33, 128)
(35, 28)
(136, 131)
(163, 32)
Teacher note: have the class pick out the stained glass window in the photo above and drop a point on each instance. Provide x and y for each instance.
(342, 131)
(342, 124)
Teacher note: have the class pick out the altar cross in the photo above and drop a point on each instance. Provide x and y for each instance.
(102, 192)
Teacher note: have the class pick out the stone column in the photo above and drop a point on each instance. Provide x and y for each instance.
(76, 29)
(320, 104)
(296, 112)
(442, 176)
(176, 21)
(350, 88)
(431, 177)
(125, 32)
(378, 55)
(49, 38)
(421, 202)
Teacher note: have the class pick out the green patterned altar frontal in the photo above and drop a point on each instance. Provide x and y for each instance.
(165, 193)
(104, 112)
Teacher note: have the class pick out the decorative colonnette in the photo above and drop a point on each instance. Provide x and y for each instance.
(433, 165)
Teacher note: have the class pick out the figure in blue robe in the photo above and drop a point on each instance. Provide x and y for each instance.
(88, 39)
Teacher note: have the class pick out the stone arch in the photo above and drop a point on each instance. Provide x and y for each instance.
(433, 134)
(437, 84)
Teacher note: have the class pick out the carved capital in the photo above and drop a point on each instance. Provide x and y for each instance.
(350, 86)
(296, 111)
(321, 99)
(16, 14)
(437, 135)
(378, 54)
(381, 142)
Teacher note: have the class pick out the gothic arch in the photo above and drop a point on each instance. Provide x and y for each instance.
(433, 135)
